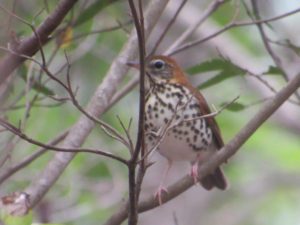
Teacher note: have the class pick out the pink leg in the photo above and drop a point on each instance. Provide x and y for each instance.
(194, 171)
(161, 188)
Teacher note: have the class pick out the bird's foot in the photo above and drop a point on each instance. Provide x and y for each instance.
(194, 172)
(158, 194)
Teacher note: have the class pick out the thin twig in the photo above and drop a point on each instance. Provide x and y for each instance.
(126, 130)
(228, 27)
(274, 56)
(109, 130)
(97, 105)
(19, 133)
(103, 30)
(169, 25)
(29, 159)
(221, 156)
(210, 9)
(140, 144)
(124, 90)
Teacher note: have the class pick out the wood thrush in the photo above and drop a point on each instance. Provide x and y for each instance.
(173, 123)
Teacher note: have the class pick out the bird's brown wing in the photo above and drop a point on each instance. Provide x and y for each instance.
(216, 178)
(210, 120)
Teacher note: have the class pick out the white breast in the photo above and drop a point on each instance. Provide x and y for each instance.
(178, 136)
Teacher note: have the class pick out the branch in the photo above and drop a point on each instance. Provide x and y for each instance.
(140, 144)
(230, 26)
(221, 156)
(97, 105)
(30, 45)
(210, 9)
(19, 133)
(169, 25)
(274, 56)
(25, 162)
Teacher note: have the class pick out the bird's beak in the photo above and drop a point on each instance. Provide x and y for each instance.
(133, 64)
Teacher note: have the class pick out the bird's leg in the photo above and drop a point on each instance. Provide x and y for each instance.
(161, 188)
(194, 171)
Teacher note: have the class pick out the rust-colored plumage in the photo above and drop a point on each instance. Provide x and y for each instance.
(179, 77)
(172, 101)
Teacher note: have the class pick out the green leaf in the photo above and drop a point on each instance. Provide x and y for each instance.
(92, 10)
(234, 106)
(273, 70)
(226, 70)
(36, 85)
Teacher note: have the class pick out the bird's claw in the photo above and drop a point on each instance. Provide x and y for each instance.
(159, 192)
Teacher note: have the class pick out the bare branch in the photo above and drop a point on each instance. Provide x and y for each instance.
(274, 56)
(138, 19)
(19, 133)
(210, 9)
(25, 162)
(97, 105)
(221, 156)
(31, 45)
(169, 25)
(229, 26)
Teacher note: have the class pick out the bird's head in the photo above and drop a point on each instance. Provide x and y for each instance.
(161, 69)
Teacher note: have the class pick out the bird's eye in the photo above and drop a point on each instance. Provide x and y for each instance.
(159, 64)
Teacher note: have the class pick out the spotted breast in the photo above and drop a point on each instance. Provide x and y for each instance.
(173, 123)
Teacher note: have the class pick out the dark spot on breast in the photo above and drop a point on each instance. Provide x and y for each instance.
(162, 111)
(156, 115)
(170, 106)
(188, 140)
(192, 106)
(195, 138)
(180, 124)
(165, 120)
(201, 124)
(195, 115)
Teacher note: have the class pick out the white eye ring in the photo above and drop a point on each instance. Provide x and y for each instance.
(159, 64)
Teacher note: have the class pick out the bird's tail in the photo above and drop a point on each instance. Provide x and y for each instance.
(216, 179)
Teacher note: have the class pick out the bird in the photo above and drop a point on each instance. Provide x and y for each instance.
(175, 124)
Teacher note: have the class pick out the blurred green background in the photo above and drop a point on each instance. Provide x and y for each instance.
(264, 176)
